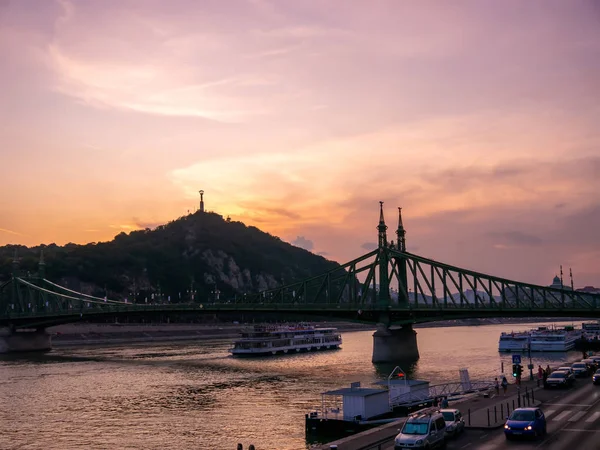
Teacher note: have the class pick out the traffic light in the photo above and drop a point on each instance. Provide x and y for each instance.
(515, 370)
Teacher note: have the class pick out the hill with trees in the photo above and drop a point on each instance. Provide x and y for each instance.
(195, 256)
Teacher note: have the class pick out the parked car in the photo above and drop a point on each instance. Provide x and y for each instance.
(592, 365)
(596, 377)
(455, 423)
(559, 378)
(580, 369)
(566, 368)
(423, 429)
(525, 422)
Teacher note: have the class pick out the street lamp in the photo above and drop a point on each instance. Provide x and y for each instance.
(530, 362)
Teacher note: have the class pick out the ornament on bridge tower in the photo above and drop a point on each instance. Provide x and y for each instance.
(401, 232)
(382, 227)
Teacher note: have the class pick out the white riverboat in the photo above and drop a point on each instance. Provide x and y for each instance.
(514, 342)
(554, 339)
(274, 339)
(591, 329)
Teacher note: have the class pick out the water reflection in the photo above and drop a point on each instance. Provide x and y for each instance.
(195, 395)
(408, 366)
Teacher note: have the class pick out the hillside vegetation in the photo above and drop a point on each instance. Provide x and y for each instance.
(197, 254)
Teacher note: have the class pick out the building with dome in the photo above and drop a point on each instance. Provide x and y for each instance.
(557, 284)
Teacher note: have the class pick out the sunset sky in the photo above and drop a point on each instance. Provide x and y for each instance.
(480, 118)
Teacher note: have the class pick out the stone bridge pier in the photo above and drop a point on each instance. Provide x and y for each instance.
(24, 341)
(394, 344)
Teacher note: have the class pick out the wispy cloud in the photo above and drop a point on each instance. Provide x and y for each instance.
(4, 230)
(516, 238)
(298, 117)
(304, 243)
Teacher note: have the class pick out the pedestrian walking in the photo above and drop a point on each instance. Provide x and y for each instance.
(504, 386)
(497, 387)
(540, 376)
(444, 402)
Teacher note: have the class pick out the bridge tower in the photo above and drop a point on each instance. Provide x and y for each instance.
(401, 263)
(12, 340)
(383, 297)
(391, 344)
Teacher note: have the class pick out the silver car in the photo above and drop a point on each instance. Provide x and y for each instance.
(455, 423)
(423, 429)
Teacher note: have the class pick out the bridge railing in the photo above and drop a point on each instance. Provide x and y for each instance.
(442, 390)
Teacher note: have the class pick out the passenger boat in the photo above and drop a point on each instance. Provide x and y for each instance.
(591, 326)
(591, 329)
(554, 340)
(274, 339)
(514, 342)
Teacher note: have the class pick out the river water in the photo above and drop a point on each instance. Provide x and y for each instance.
(196, 396)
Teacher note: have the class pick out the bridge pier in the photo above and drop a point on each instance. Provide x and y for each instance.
(24, 341)
(394, 344)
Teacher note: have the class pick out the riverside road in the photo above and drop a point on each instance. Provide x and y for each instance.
(573, 423)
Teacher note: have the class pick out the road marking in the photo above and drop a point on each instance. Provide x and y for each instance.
(577, 416)
(483, 436)
(565, 404)
(593, 417)
(562, 415)
(549, 412)
(580, 430)
(465, 446)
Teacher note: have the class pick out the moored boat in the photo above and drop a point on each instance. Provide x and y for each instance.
(282, 339)
(514, 342)
(554, 339)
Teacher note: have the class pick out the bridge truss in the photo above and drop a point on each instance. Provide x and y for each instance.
(388, 285)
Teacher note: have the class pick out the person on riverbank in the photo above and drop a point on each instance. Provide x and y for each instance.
(548, 371)
(497, 387)
(540, 376)
(504, 386)
(444, 402)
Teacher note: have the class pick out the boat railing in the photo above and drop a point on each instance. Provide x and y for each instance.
(441, 390)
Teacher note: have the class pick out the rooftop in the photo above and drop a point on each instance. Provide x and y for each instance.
(355, 392)
(401, 382)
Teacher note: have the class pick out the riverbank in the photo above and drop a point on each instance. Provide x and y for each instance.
(104, 334)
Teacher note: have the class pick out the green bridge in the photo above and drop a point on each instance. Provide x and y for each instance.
(388, 286)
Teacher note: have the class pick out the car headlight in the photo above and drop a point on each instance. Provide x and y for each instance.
(529, 427)
(506, 427)
(419, 442)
